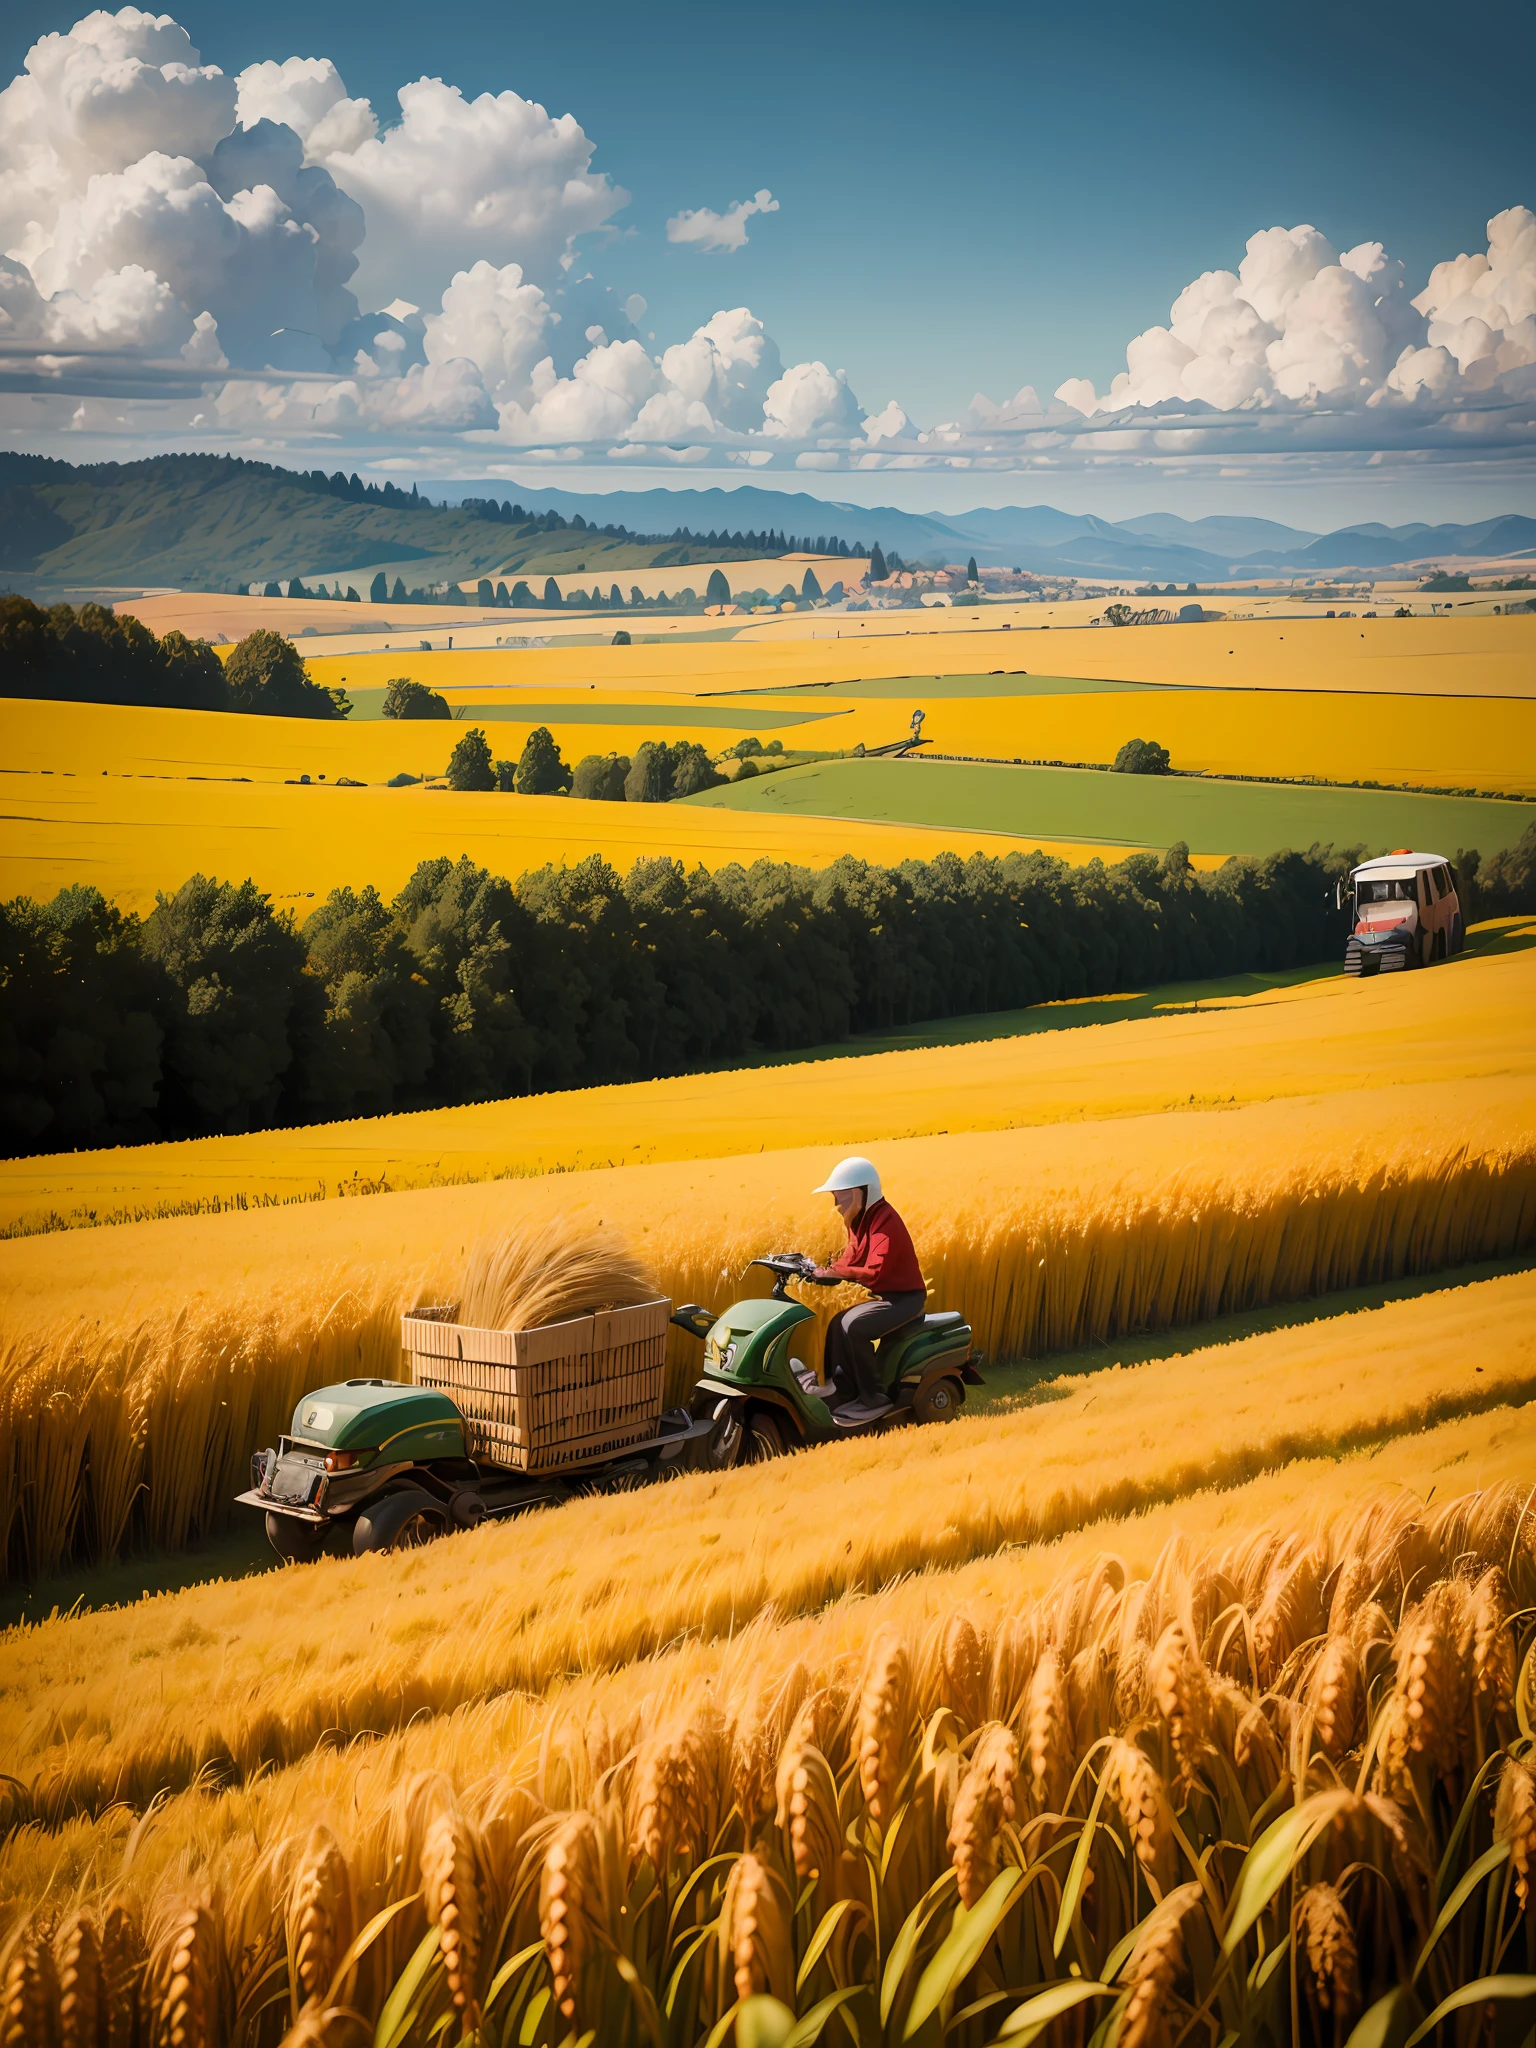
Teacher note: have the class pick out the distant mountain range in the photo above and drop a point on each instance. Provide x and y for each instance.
(1156, 547)
(212, 522)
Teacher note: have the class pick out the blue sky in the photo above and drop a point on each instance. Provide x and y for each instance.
(972, 201)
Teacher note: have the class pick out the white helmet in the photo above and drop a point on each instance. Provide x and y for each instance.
(851, 1173)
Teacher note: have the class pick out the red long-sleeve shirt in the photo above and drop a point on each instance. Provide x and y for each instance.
(879, 1254)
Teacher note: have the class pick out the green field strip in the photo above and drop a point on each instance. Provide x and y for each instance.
(368, 708)
(1093, 807)
(1013, 683)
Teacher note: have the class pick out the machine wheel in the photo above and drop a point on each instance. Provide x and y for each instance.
(938, 1400)
(297, 1542)
(765, 1438)
(400, 1521)
(722, 1449)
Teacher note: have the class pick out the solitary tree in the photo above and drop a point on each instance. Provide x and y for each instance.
(484, 593)
(541, 772)
(809, 587)
(972, 573)
(378, 589)
(717, 590)
(266, 674)
(273, 590)
(406, 699)
(616, 597)
(522, 596)
(1143, 757)
(621, 638)
(397, 595)
(470, 765)
(552, 593)
(877, 569)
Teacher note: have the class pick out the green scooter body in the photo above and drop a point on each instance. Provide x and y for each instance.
(748, 1351)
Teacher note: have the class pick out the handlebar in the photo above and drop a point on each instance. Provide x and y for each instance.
(791, 1266)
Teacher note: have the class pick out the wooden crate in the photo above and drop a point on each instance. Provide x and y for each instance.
(549, 1399)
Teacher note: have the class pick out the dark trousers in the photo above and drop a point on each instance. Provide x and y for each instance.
(850, 1349)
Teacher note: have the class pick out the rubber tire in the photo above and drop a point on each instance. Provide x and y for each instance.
(294, 1541)
(765, 1438)
(400, 1521)
(938, 1401)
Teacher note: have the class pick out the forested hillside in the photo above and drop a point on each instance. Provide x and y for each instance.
(214, 522)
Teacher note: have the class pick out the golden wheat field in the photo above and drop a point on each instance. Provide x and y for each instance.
(1179, 1694)
(145, 1362)
(131, 839)
(1120, 1769)
(1441, 657)
(1117, 1056)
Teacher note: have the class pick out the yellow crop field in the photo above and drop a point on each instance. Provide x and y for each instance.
(109, 742)
(1338, 738)
(600, 1584)
(1152, 1692)
(131, 838)
(1058, 1064)
(204, 1330)
(1444, 657)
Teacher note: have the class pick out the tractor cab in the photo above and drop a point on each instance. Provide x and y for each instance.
(1405, 912)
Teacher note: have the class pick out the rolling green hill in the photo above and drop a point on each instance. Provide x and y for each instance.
(217, 523)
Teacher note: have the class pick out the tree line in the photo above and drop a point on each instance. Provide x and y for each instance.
(220, 1013)
(91, 656)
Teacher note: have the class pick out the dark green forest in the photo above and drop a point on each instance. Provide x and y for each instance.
(217, 1013)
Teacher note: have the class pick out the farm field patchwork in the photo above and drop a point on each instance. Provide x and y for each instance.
(1284, 1036)
(133, 837)
(1487, 745)
(1446, 657)
(1091, 807)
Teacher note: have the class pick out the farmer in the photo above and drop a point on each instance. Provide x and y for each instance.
(878, 1256)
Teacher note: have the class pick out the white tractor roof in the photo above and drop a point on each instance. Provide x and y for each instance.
(1392, 867)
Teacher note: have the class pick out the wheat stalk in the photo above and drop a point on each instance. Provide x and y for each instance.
(983, 1803)
(880, 1727)
(450, 1888)
(1515, 1822)
(1328, 1943)
(1048, 1730)
(755, 1942)
(522, 1279)
(569, 1885)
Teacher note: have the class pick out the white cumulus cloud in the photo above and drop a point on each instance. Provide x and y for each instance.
(1299, 326)
(460, 181)
(718, 234)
